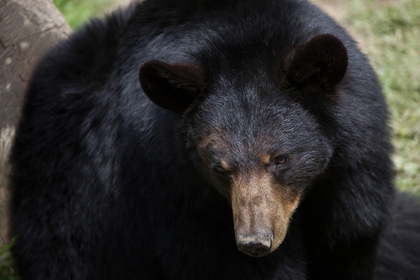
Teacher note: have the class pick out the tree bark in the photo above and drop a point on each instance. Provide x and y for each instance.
(28, 29)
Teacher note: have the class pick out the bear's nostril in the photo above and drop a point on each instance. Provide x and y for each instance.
(255, 247)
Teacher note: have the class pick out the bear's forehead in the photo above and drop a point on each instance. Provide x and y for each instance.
(252, 113)
(248, 126)
(249, 143)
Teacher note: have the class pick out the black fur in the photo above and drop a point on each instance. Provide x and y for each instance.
(398, 251)
(107, 185)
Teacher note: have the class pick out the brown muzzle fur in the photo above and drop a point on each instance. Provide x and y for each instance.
(261, 213)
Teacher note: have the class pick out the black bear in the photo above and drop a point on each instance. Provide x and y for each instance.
(182, 139)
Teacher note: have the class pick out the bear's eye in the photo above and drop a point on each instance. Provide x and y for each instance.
(280, 160)
(218, 168)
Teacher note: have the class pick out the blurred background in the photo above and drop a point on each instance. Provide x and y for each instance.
(388, 32)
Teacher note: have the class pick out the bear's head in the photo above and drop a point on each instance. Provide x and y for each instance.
(258, 140)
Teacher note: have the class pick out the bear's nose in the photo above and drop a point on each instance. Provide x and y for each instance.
(256, 245)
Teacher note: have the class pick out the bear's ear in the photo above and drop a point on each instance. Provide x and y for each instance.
(172, 86)
(322, 61)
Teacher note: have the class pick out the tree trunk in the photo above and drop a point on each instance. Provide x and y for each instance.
(28, 29)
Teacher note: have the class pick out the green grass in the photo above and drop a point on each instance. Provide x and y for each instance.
(7, 264)
(77, 12)
(391, 30)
